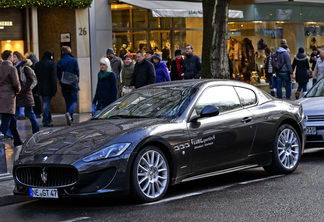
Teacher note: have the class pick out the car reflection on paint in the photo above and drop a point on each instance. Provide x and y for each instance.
(161, 135)
(314, 112)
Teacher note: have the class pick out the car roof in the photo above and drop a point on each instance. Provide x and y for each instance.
(194, 83)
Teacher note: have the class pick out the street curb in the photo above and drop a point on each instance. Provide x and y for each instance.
(5, 176)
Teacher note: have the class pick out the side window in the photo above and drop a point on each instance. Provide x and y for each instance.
(224, 97)
(247, 96)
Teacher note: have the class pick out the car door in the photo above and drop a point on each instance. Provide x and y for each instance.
(224, 139)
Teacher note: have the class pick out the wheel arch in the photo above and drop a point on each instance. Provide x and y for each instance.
(160, 143)
(294, 124)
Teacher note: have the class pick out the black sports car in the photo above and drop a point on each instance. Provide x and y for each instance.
(161, 135)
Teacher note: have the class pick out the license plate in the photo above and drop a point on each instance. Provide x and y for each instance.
(43, 193)
(311, 130)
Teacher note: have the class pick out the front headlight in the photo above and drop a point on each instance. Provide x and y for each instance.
(108, 152)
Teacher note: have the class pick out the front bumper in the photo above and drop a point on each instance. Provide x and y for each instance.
(101, 178)
(316, 140)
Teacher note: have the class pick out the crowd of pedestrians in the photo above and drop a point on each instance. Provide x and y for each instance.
(27, 83)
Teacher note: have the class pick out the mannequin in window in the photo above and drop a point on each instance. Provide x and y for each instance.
(123, 51)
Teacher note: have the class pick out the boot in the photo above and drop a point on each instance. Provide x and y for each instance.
(297, 95)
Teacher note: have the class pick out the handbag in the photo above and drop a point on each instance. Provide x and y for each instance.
(69, 80)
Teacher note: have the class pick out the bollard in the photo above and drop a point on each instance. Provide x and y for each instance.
(4, 175)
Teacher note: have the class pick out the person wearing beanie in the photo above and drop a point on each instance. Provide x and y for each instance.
(126, 74)
(45, 71)
(116, 64)
(107, 90)
(161, 70)
(302, 71)
(148, 56)
(191, 64)
(177, 66)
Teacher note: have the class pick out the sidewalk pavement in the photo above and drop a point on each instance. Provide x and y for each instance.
(25, 131)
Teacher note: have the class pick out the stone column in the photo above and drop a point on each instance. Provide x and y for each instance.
(34, 30)
(100, 35)
(83, 56)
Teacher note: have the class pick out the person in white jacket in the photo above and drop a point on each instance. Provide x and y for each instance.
(319, 67)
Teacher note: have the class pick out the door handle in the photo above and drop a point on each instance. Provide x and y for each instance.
(246, 119)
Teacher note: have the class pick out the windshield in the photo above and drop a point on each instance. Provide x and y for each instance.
(147, 103)
(317, 90)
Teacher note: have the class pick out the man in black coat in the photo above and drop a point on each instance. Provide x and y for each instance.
(46, 75)
(191, 64)
(144, 72)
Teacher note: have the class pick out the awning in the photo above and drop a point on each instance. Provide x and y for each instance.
(176, 8)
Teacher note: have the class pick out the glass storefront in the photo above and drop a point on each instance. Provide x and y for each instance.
(263, 26)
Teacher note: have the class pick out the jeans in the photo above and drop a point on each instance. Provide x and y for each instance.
(9, 122)
(302, 86)
(22, 111)
(38, 105)
(47, 116)
(281, 79)
(273, 85)
(71, 101)
(32, 117)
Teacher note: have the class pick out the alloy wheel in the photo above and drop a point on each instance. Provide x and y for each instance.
(288, 148)
(152, 174)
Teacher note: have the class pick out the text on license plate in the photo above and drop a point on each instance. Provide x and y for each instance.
(311, 130)
(43, 193)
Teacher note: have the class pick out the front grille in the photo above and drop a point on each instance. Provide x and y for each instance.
(46, 176)
(315, 118)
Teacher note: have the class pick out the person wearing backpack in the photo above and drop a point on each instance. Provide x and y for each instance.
(25, 97)
(270, 75)
(302, 69)
(282, 65)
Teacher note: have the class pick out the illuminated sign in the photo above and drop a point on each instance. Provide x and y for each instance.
(5, 23)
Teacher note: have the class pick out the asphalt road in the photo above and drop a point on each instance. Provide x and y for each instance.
(250, 195)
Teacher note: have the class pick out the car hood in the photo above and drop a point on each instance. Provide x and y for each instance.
(84, 138)
(312, 105)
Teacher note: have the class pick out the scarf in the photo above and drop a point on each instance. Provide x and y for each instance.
(179, 66)
(17, 64)
(103, 75)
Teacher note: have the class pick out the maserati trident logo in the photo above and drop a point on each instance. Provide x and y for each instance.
(44, 176)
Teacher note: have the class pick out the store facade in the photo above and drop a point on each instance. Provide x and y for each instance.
(259, 26)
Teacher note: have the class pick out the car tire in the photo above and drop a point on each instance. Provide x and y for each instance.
(286, 151)
(150, 175)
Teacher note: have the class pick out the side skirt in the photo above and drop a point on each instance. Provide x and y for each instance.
(220, 172)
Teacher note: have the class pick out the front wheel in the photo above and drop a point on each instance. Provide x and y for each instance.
(286, 151)
(150, 174)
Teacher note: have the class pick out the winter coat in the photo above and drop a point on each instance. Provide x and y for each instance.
(46, 75)
(144, 74)
(161, 72)
(302, 66)
(127, 73)
(268, 66)
(116, 65)
(34, 61)
(192, 67)
(9, 86)
(285, 61)
(106, 91)
(319, 69)
(25, 97)
(68, 64)
(312, 59)
(174, 70)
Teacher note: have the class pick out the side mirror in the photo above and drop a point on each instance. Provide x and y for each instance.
(207, 111)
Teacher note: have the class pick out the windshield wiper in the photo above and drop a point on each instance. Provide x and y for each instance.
(126, 116)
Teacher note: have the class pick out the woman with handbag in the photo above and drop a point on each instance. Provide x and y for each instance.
(107, 89)
(25, 97)
(127, 73)
(302, 69)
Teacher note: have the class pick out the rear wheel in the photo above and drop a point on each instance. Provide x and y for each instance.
(286, 151)
(150, 174)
